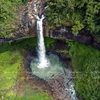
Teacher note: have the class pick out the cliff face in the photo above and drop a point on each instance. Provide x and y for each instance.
(27, 23)
(27, 26)
(84, 36)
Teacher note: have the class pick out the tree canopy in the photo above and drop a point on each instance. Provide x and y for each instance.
(8, 15)
(77, 14)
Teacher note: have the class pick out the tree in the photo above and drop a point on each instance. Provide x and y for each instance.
(76, 13)
(7, 16)
(56, 12)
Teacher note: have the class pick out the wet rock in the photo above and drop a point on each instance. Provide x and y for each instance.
(59, 45)
(58, 88)
(84, 36)
(2, 40)
(96, 45)
(26, 23)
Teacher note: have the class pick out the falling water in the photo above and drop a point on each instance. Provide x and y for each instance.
(42, 60)
(41, 47)
(48, 69)
(41, 68)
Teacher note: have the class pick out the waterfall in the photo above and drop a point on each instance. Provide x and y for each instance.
(50, 66)
(41, 47)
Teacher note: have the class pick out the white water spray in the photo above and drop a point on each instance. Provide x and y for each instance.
(41, 47)
(38, 66)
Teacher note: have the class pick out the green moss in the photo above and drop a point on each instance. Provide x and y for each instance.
(85, 60)
(86, 64)
(25, 43)
(11, 60)
(28, 94)
(9, 67)
(33, 96)
(9, 16)
(48, 41)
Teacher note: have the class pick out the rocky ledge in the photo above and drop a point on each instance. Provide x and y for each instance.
(84, 36)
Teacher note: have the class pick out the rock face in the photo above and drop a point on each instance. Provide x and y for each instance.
(57, 88)
(84, 36)
(28, 19)
(26, 23)
(27, 26)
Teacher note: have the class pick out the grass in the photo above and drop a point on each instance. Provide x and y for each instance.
(28, 94)
(11, 60)
(86, 64)
(85, 61)
(24, 44)
(48, 41)
(33, 96)
(9, 67)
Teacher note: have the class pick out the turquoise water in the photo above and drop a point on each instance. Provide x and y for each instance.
(53, 68)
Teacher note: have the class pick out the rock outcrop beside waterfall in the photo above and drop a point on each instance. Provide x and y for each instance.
(26, 22)
(84, 36)
(33, 7)
(27, 27)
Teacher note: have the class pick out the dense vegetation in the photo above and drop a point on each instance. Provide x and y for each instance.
(85, 61)
(11, 70)
(77, 14)
(86, 66)
(8, 16)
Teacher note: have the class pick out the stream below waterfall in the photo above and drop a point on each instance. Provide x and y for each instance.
(49, 67)
(56, 73)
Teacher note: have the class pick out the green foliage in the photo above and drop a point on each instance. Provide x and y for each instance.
(56, 12)
(24, 1)
(33, 96)
(78, 26)
(79, 13)
(24, 44)
(93, 16)
(8, 16)
(86, 64)
(10, 63)
(28, 94)
(11, 59)
(48, 41)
